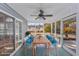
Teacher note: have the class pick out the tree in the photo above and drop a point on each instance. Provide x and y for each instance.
(47, 28)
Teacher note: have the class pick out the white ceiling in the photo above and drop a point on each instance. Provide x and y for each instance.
(58, 10)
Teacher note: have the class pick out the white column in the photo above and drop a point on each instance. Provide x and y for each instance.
(61, 32)
(55, 29)
(51, 28)
(77, 34)
(14, 33)
(35, 29)
(18, 30)
(43, 29)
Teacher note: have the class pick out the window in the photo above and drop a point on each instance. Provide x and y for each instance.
(53, 27)
(47, 28)
(58, 31)
(6, 35)
(18, 33)
(69, 37)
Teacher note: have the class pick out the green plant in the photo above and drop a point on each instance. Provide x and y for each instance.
(47, 28)
(27, 33)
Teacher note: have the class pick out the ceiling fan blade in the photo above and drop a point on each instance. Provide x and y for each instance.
(34, 15)
(47, 15)
(43, 17)
(36, 18)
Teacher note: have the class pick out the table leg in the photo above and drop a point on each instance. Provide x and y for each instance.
(33, 50)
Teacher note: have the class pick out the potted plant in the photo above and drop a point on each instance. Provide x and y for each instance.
(27, 33)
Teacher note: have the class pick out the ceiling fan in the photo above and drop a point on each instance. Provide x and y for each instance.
(41, 15)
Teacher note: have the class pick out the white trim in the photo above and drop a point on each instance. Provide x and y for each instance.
(12, 54)
(51, 28)
(55, 29)
(61, 32)
(10, 15)
(66, 18)
(69, 17)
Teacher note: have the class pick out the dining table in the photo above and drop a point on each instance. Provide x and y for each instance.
(40, 40)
